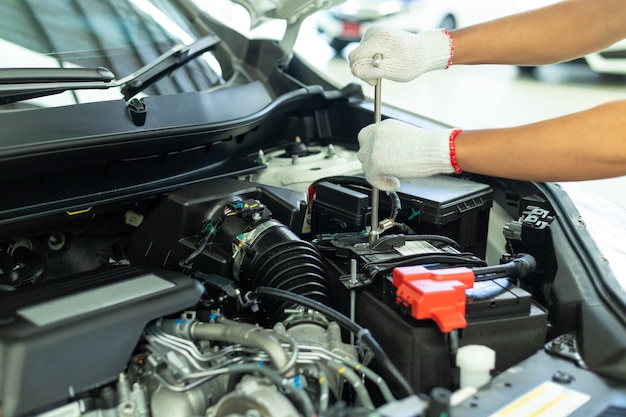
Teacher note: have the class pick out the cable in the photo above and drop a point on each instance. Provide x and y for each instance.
(373, 268)
(354, 380)
(396, 204)
(373, 376)
(524, 264)
(208, 232)
(437, 238)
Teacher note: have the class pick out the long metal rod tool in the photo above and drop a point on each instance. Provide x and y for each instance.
(374, 233)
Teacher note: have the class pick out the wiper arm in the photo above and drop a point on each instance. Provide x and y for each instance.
(17, 84)
(163, 65)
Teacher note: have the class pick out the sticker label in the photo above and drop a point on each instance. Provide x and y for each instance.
(547, 400)
(416, 247)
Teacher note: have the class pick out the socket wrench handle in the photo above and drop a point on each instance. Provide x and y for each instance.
(377, 99)
(374, 233)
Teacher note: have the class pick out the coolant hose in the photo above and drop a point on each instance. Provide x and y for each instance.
(232, 332)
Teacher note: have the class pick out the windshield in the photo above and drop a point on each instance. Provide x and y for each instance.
(120, 35)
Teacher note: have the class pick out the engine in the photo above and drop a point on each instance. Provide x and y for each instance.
(230, 298)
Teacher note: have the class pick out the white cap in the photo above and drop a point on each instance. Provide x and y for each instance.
(476, 363)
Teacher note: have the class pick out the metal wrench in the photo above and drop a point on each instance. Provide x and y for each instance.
(374, 232)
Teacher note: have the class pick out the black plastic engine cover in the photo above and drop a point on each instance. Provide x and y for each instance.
(60, 338)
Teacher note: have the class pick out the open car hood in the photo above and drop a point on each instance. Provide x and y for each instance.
(290, 10)
(293, 12)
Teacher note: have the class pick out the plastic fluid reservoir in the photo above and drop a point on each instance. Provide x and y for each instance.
(475, 363)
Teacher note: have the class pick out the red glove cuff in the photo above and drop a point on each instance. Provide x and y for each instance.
(453, 161)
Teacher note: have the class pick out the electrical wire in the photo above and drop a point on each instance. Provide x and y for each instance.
(434, 238)
(353, 379)
(373, 269)
(360, 182)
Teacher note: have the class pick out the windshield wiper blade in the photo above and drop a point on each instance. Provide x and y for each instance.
(51, 75)
(17, 84)
(165, 64)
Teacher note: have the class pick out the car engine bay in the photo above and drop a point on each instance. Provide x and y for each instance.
(263, 295)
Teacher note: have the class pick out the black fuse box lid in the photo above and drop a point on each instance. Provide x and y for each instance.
(442, 199)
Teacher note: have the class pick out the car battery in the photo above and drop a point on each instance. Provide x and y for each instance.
(441, 204)
(510, 324)
(497, 313)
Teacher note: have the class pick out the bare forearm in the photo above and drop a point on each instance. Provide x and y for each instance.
(586, 145)
(559, 32)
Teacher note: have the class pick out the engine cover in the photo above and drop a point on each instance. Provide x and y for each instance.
(63, 337)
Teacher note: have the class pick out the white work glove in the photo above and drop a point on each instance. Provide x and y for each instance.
(391, 150)
(405, 56)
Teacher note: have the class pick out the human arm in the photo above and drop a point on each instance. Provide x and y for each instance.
(590, 144)
(587, 145)
(561, 31)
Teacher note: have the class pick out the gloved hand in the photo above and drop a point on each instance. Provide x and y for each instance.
(405, 55)
(391, 150)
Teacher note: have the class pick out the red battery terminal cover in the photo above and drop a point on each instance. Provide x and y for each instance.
(437, 294)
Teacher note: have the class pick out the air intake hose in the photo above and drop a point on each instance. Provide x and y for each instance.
(271, 255)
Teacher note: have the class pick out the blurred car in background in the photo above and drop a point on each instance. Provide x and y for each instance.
(611, 60)
(348, 22)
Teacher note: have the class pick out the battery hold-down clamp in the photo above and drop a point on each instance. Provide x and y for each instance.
(439, 294)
